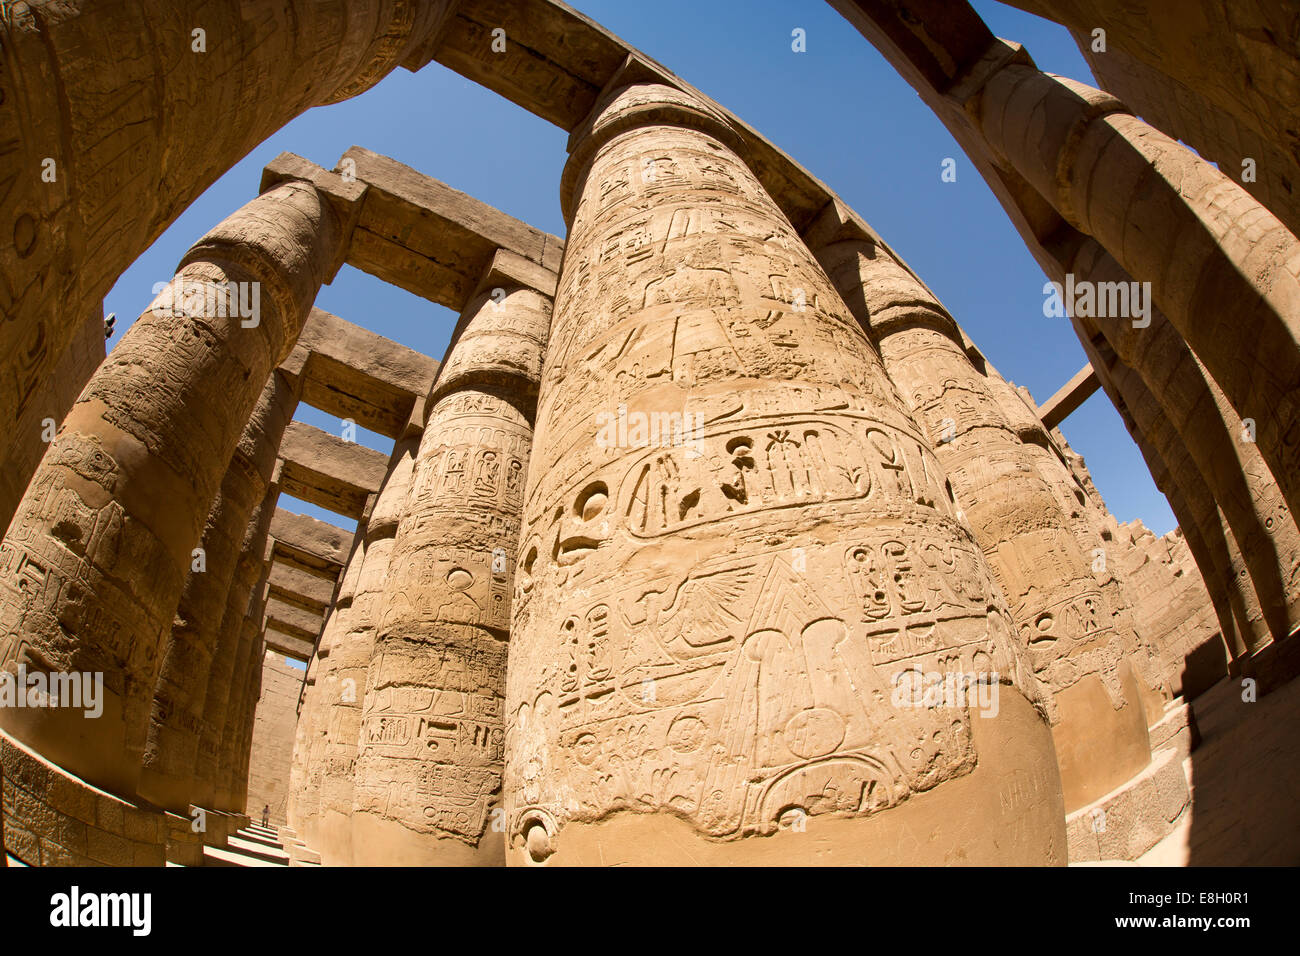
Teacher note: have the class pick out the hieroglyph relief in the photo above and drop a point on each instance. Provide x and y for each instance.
(432, 733)
(712, 631)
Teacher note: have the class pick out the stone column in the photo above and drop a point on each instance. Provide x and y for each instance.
(1223, 269)
(428, 781)
(227, 797)
(94, 563)
(1159, 443)
(1220, 447)
(995, 454)
(121, 116)
(298, 759)
(350, 659)
(716, 625)
(245, 593)
(186, 660)
(307, 775)
(1209, 544)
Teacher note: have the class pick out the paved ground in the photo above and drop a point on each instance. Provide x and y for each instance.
(1245, 783)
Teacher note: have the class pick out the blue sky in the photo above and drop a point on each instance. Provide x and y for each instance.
(838, 108)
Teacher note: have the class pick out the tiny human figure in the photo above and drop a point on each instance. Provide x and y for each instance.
(266, 815)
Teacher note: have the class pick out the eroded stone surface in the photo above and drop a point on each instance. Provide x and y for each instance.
(709, 628)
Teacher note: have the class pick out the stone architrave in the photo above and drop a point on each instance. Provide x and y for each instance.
(741, 566)
(131, 476)
(996, 454)
(175, 721)
(428, 781)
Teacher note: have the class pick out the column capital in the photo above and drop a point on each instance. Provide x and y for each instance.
(635, 99)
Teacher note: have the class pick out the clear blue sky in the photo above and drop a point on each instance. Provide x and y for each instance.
(838, 108)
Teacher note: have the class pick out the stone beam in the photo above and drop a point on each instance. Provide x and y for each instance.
(1069, 397)
(353, 373)
(308, 544)
(294, 620)
(328, 471)
(423, 236)
(287, 644)
(557, 61)
(292, 585)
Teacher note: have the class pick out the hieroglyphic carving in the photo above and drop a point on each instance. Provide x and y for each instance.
(710, 629)
(133, 472)
(432, 732)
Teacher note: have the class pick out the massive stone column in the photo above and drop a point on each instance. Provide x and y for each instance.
(307, 773)
(713, 620)
(1158, 440)
(132, 474)
(428, 780)
(176, 718)
(1219, 445)
(350, 658)
(227, 796)
(244, 592)
(120, 115)
(997, 457)
(1223, 269)
(1210, 542)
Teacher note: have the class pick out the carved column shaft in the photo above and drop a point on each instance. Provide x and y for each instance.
(1222, 268)
(176, 719)
(430, 763)
(307, 776)
(996, 456)
(711, 629)
(246, 581)
(1216, 442)
(134, 470)
(349, 659)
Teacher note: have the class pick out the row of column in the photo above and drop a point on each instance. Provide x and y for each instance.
(706, 627)
(1209, 380)
(418, 778)
(708, 536)
(137, 555)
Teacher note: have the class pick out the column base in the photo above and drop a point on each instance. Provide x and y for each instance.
(334, 838)
(218, 826)
(53, 818)
(1134, 817)
(1176, 729)
(1008, 811)
(380, 841)
(184, 846)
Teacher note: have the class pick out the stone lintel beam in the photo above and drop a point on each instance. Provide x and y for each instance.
(287, 644)
(292, 585)
(355, 374)
(308, 544)
(556, 64)
(432, 240)
(1069, 397)
(294, 620)
(328, 471)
